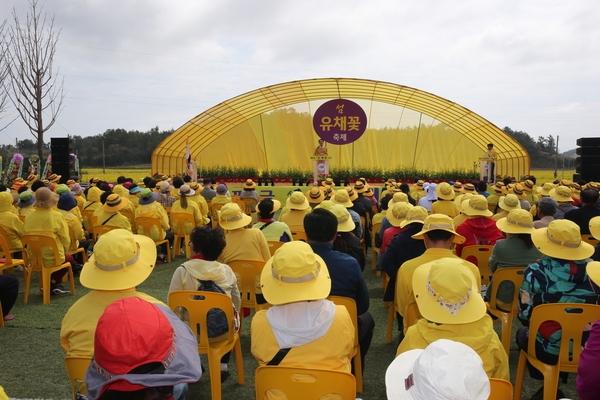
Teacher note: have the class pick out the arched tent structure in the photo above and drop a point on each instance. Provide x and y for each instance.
(271, 128)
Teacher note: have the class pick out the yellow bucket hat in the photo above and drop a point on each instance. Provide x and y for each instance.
(114, 203)
(457, 187)
(341, 197)
(517, 221)
(518, 191)
(446, 292)
(469, 188)
(297, 201)
(315, 195)
(326, 204)
(345, 223)
(593, 271)
(439, 222)
(562, 194)
(528, 186)
(464, 202)
(498, 186)
(295, 273)
(121, 260)
(444, 191)
(509, 202)
(396, 214)
(399, 197)
(360, 187)
(416, 215)
(231, 216)
(561, 239)
(545, 189)
(328, 182)
(352, 195)
(477, 206)
(249, 184)
(45, 198)
(594, 225)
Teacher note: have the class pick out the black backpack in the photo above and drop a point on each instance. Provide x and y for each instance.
(216, 319)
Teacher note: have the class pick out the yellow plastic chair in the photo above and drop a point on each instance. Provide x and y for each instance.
(145, 224)
(86, 215)
(273, 246)
(214, 213)
(182, 224)
(100, 230)
(5, 236)
(131, 217)
(390, 321)
(247, 207)
(73, 249)
(590, 239)
(248, 274)
(6, 260)
(299, 235)
(303, 383)
(480, 256)
(35, 244)
(572, 318)
(500, 389)
(76, 367)
(350, 305)
(198, 304)
(374, 249)
(509, 274)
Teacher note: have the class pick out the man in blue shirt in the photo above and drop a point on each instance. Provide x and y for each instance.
(346, 277)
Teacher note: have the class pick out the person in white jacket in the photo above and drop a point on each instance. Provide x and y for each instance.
(206, 246)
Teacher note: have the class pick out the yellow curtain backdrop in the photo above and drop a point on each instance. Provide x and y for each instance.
(271, 128)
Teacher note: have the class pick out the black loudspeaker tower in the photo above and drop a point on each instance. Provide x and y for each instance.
(587, 164)
(60, 158)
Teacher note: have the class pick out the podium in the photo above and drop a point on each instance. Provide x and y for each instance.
(486, 169)
(320, 168)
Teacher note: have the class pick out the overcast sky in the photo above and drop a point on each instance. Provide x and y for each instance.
(135, 64)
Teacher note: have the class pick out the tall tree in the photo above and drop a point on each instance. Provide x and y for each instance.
(3, 69)
(33, 81)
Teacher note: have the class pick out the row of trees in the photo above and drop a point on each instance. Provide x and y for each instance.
(542, 152)
(28, 77)
(121, 147)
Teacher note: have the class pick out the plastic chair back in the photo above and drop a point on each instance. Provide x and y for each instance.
(5, 236)
(86, 215)
(197, 305)
(590, 239)
(37, 245)
(6, 260)
(76, 367)
(480, 256)
(100, 230)
(303, 383)
(214, 213)
(73, 249)
(131, 217)
(500, 389)
(350, 305)
(299, 235)
(182, 224)
(515, 276)
(248, 274)
(273, 246)
(573, 319)
(152, 228)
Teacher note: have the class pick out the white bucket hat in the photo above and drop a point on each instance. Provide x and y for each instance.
(445, 370)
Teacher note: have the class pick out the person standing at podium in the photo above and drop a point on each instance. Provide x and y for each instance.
(321, 150)
(491, 153)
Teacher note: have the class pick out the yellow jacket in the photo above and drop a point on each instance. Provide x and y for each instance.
(48, 222)
(245, 244)
(201, 201)
(117, 220)
(332, 351)
(73, 223)
(13, 227)
(478, 335)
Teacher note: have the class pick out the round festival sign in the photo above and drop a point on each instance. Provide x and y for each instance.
(340, 121)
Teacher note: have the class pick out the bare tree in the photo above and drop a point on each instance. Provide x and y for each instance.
(3, 70)
(33, 82)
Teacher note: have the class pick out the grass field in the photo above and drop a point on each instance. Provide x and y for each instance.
(31, 360)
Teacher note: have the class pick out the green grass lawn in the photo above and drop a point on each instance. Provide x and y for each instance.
(31, 358)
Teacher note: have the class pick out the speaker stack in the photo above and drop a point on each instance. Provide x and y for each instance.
(587, 164)
(59, 148)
